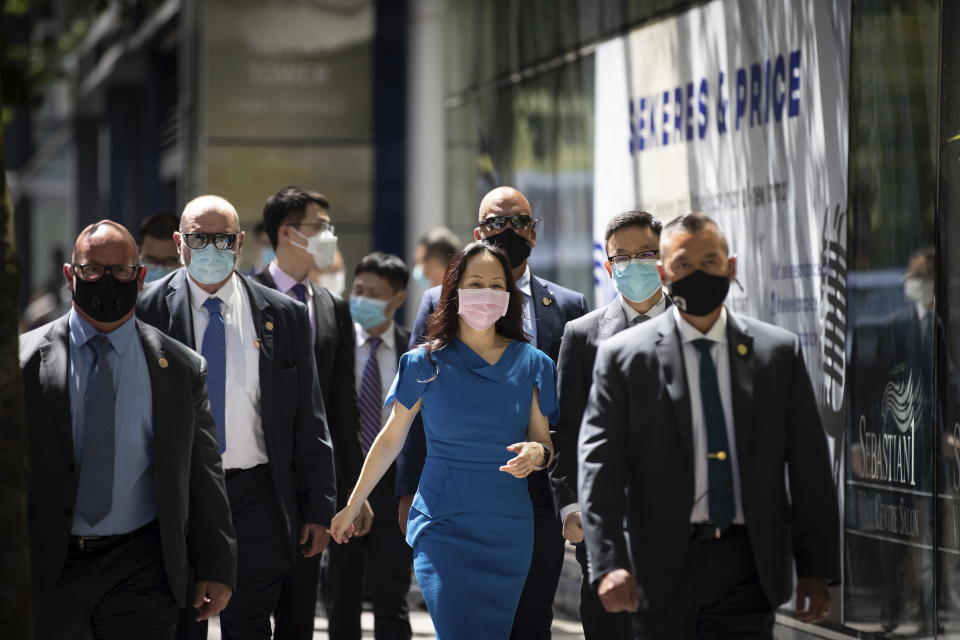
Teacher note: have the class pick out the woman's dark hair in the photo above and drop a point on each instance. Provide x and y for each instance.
(444, 323)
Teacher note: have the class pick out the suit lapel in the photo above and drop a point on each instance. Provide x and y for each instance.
(612, 322)
(670, 355)
(740, 346)
(178, 306)
(157, 366)
(54, 368)
(547, 312)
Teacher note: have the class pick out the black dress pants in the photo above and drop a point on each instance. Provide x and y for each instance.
(114, 593)
(598, 623)
(263, 560)
(719, 597)
(378, 564)
(534, 615)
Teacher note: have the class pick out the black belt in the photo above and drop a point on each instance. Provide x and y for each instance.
(707, 532)
(231, 473)
(94, 544)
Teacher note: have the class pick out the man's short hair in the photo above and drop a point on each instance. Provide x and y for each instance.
(626, 219)
(289, 205)
(386, 265)
(440, 243)
(159, 225)
(693, 222)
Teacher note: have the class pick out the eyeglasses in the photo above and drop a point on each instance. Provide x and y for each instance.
(93, 272)
(497, 223)
(222, 241)
(624, 260)
(319, 227)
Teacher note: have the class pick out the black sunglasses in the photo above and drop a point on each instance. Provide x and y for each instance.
(222, 241)
(497, 223)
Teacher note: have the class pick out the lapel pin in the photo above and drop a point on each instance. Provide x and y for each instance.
(268, 325)
(163, 363)
(742, 349)
(547, 301)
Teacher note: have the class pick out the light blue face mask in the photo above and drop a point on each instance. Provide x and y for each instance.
(419, 278)
(210, 265)
(368, 312)
(156, 271)
(638, 280)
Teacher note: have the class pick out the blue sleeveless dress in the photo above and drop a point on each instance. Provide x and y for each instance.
(471, 525)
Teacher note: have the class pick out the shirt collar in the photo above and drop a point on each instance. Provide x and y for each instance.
(689, 333)
(228, 293)
(652, 312)
(120, 338)
(523, 282)
(388, 336)
(285, 281)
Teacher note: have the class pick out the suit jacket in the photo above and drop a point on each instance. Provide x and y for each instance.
(299, 451)
(192, 510)
(578, 351)
(637, 434)
(555, 306)
(334, 349)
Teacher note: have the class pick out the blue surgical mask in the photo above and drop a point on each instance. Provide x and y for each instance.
(419, 278)
(210, 265)
(638, 280)
(368, 312)
(156, 271)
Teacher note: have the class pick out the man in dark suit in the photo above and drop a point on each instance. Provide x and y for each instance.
(505, 220)
(696, 420)
(266, 403)
(297, 221)
(632, 241)
(382, 555)
(127, 493)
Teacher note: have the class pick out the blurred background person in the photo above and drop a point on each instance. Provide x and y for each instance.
(378, 563)
(332, 278)
(158, 250)
(297, 223)
(263, 249)
(434, 251)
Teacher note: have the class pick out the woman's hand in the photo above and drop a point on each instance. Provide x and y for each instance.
(529, 457)
(343, 528)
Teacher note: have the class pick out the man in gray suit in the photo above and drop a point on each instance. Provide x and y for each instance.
(127, 492)
(632, 241)
(696, 422)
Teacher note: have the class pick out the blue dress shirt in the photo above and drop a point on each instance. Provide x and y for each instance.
(134, 498)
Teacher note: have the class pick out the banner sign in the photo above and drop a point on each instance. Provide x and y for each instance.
(738, 108)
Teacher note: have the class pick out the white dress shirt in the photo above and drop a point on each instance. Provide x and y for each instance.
(387, 358)
(691, 361)
(243, 425)
(285, 284)
(629, 313)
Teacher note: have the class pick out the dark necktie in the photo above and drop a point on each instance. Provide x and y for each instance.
(214, 349)
(640, 318)
(371, 397)
(95, 490)
(719, 472)
(299, 292)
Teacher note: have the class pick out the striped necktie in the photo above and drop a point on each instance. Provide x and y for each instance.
(371, 397)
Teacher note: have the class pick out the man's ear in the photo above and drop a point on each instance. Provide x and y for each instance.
(663, 274)
(733, 267)
(476, 234)
(68, 275)
(401, 297)
(140, 277)
(533, 237)
(606, 265)
(243, 234)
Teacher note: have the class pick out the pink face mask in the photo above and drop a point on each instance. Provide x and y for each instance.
(481, 308)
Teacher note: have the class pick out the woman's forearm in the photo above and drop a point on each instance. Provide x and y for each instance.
(385, 449)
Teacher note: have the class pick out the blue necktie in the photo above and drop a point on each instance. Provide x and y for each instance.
(371, 397)
(719, 472)
(214, 349)
(95, 490)
(299, 292)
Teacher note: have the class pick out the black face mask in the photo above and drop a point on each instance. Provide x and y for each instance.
(516, 247)
(699, 293)
(105, 300)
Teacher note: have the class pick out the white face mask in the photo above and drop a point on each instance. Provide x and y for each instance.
(323, 247)
(920, 290)
(334, 282)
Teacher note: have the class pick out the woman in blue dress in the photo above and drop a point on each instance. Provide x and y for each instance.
(486, 396)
